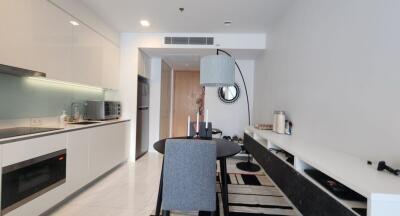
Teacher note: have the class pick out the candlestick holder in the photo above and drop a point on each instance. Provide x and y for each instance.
(206, 136)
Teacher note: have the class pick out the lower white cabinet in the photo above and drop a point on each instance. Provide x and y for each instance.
(16, 152)
(27, 149)
(91, 152)
(94, 151)
(78, 159)
(108, 148)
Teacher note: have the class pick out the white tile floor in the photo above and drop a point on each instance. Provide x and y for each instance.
(129, 190)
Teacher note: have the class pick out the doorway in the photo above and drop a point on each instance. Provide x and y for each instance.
(188, 99)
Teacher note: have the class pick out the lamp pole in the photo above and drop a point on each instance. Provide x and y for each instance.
(248, 165)
(244, 83)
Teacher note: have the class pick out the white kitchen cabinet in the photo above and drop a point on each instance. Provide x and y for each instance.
(78, 158)
(27, 149)
(99, 158)
(120, 144)
(108, 148)
(91, 152)
(15, 33)
(51, 40)
(110, 75)
(16, 152)
(144, 64)
(37, 35)
(87, 55)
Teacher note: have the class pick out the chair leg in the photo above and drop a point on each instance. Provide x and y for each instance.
(165, 213)
(204, 213)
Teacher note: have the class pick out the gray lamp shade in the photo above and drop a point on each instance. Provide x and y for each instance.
(217, 70)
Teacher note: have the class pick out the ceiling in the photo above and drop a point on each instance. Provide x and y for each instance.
(183, 62)
(189, 59)
(206, 16)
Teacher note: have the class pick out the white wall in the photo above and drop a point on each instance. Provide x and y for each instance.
(232, 118)
(155, 94)
(334, 67)
(128, 85)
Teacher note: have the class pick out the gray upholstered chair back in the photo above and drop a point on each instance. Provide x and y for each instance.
(189, 175)
(202, 129)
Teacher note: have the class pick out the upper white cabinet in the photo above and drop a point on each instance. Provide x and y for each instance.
(15, 31)
(144, 65)
(51, 41)
(37, 35)
(87, 54)
(110, 65)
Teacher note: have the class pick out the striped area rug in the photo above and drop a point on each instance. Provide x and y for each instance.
(251, 195)
(255, 195)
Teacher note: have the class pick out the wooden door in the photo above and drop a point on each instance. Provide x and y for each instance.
(188, 100)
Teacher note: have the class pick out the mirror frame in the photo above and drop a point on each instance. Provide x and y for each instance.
(219, 92)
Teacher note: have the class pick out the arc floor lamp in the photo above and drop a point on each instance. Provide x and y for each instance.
(219, 70)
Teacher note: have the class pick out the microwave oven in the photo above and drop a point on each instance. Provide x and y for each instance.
(103, 110)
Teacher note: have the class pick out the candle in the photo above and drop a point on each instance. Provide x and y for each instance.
(207, 119)
(197, 122)
(188, 126)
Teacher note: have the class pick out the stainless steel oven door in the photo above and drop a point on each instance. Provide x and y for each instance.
(26, 180)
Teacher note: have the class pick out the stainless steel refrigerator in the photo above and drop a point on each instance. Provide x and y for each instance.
(142, 127)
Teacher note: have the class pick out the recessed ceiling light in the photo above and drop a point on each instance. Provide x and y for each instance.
(144, 23)
(74, 23)
(228, 23)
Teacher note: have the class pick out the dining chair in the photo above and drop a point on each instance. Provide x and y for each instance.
(189, 176)
(202, 129)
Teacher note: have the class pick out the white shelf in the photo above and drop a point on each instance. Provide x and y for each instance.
(380, 188)
(348, 170)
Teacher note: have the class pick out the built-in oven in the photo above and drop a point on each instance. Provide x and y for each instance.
(26, 180)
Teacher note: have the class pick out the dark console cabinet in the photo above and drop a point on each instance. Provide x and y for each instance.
(309, 199)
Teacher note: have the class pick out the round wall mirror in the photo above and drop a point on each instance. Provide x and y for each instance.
(229, 94)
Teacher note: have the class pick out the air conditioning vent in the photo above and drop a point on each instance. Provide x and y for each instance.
(189, 40)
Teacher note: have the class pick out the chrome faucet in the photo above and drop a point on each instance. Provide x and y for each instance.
(75, 114)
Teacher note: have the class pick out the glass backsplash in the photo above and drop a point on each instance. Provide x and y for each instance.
(30, 98)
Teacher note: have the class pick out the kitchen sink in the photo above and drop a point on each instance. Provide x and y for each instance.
(85, 122)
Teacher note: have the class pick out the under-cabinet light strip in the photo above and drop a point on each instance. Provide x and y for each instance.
(57, 82)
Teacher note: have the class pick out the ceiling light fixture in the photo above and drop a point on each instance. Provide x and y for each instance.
(74, 23)
(228, 23)
(144, 23)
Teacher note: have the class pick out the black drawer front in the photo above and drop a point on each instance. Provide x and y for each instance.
(307, 197)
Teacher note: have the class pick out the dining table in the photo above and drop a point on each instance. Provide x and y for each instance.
(225, 149)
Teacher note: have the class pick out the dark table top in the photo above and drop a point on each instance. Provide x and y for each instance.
(225, 148)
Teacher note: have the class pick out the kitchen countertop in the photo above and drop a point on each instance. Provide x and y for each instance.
(67, 128)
